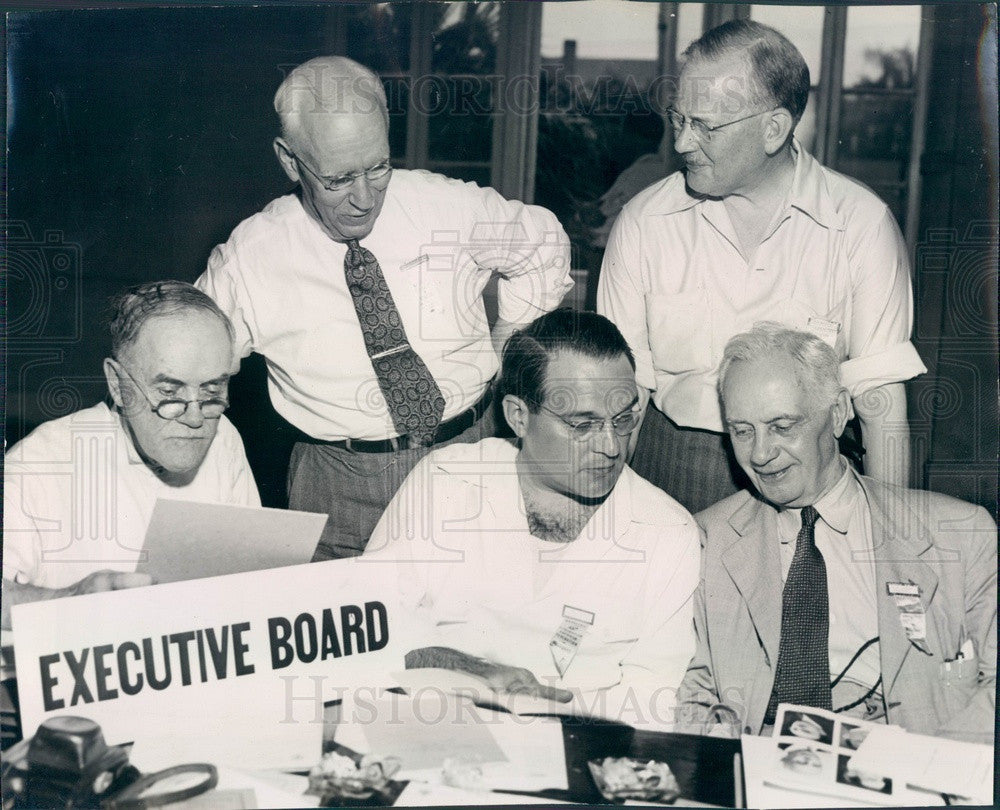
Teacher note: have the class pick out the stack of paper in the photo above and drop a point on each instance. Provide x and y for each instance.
(504, 751)
(931, 763)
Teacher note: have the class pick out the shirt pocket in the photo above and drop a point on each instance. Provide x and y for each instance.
(680, 336)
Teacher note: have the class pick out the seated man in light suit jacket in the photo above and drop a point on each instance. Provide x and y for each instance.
(892, 592)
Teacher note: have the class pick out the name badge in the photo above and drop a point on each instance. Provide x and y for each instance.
(567, 638)
(912, 617)
(825, 330)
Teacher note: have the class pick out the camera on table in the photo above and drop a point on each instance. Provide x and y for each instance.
(66, 764)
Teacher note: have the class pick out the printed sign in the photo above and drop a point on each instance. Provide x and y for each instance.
(248, 658)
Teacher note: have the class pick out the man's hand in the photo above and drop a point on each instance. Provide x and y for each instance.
(16, 593)
(521, 681)
(499, 677)
(106, 580)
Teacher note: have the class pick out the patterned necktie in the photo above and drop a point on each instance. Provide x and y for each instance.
(411, 394)
(803, 672)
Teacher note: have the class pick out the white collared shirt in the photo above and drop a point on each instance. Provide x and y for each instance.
(78, 498)
(280, 278)
(834, 263)
(458, 534)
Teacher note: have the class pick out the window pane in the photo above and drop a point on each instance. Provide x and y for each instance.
(803, 25)
(465, 38)
(603, 30)
(379, 36)
(596, 120)
(689, 23)
(459, 124)
(881, 46)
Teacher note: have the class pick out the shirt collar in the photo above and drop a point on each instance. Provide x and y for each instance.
(835, 508)
(624, 505)
(808, 194)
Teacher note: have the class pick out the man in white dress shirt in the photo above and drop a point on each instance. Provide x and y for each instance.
(79, 491)
(549, 567)
(363, 292)
(753, 229)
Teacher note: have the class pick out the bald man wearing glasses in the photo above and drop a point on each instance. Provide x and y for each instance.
(548, 567)
(363, 292)
(753, 229)
(79, 491)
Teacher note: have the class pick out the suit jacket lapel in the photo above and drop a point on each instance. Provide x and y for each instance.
(899, 537)
(754, 564)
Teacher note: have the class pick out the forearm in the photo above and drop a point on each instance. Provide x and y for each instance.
(885, 433)
(16, 593)
(447, 658)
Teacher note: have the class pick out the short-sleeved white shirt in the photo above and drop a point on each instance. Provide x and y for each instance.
(78, 498)
(676, 284)
(280, 278)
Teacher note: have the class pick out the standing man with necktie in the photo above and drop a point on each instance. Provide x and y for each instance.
(828, 588)
(363, 292)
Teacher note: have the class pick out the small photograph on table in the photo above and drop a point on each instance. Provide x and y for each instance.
(807, 726)
(852, 736)
(847, 775)
(807, 761)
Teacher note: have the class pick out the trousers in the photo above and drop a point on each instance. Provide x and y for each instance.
(353, 488)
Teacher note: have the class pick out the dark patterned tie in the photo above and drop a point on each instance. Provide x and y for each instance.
(411, 393)
(803, 671)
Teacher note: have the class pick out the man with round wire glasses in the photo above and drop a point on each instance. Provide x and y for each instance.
(546, 566)
(363, 291)
(79, 491)
(753, 229)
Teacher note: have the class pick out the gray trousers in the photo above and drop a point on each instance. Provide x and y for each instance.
(354, 488)
(695, 467)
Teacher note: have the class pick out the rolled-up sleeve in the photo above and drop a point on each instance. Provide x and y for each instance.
(528, 248)
(621, 296)
(879, 349)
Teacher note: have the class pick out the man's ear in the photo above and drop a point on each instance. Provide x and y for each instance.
(114, 383)
(777, 127)
(515, 411)
(284, 154)
(843, 410)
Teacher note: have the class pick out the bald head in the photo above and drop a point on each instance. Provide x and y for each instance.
(326, 92)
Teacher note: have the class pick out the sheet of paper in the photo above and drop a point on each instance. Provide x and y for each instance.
(510, 752)
(188, 540)
(757, 753)
(285, 746)
(933, 763)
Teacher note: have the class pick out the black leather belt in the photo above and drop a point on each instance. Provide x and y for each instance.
(446, 430)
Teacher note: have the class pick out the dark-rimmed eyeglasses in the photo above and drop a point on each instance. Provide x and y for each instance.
(375, 174)
(171, 409)
(623, 424)
(699, 128)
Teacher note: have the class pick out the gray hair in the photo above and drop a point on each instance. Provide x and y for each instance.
(132, 307)
(328, 84)
(815, 364)
(779, 73)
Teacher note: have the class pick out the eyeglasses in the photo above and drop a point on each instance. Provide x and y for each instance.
(699, 128)
(342, 182)
(622, 425)
(175, 408)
